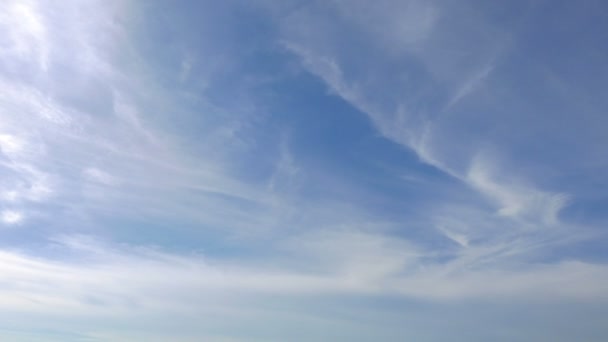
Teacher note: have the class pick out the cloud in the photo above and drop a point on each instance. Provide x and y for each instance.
(471, 84)
(27, 34)
(98, 283)
(460, 239)
(360, 256)
(101, 279)
(440, 138)
(11, 217)
(125, 278)
(88, 120)
(10, 144)
(286, 170)
(515, 200)
(187, 63)
(396, 25)
(100, 176)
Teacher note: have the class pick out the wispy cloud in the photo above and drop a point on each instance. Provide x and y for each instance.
(471, 84)
(422, 130)
(129, 282)
(515, 200)
(60, 147)
(26, 31)
(125, 277)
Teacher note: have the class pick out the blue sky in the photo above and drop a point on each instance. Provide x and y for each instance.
(303, 170)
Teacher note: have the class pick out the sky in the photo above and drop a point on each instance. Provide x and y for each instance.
(319, 170)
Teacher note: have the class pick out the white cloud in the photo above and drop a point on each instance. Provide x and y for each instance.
(460, 239)
(286, 173)
(361, 257)
(11, 217)
(536, 282)
(26, 31)
(30, 184)
(51, 139)
(471, 84)
(125, 280)
(10, 144)
(127, 112)
(114, 290)
(515, 199)
(100, 176)
(435, 137)
(397, 25)
(186, 65)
